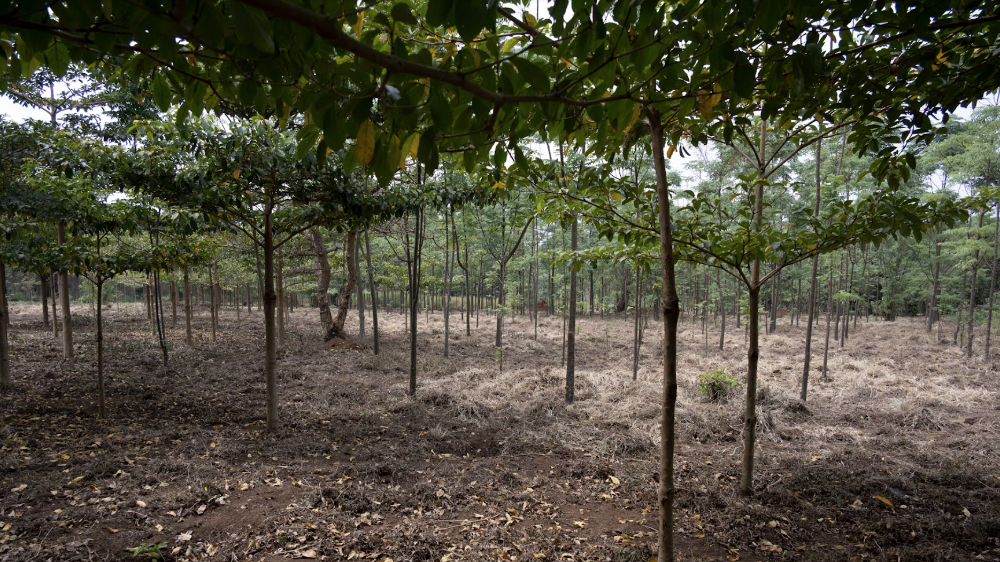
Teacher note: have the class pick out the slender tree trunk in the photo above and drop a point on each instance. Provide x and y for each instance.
(45, 298)
(55, 317)
(993, 284)
(958, 321)
(753, 349)
(829, 314)
(371, 287)
(279, 292)
(188, 333)
(67, 332)
(359, 288)
(413, 266)
(102, 410)
(972, 292)
(932, 312)
(350, 248)
(211, 300)
(323, 279)
(5, 382)
(671, 311)
(446, 305)
(270, 331)
(722, 310)
(637, 328)
(571, 335)
(173, 303)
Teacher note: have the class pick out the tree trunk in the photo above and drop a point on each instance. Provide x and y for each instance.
(932, 312)
(413, 268)
(637, 327)
(323, 279)
(55, 316)
(722, 310)
(359, 289)
(753, 350)
(45, 298)
(350, 249)
(371, 287)
(67, 332)
(446, 305)
(270, 336)
(571, 335)
(173, 303)
(5, 382)
(279, 295)
(102, 410)
(958, 321)
(671, 310)
(972, 292)
(993, 284)
(211, 299)
(829, 313)
(188, 333)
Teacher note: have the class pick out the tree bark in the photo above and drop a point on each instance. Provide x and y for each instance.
(279, 295)
(413, 269)
(446, 305)
(371, 287)
(359, 289)
(932, 312)
(829, 314)
(188, 333)
(972, 292)
(813, 284)
(211, 299)
(671, 311)
(350, 250)
(753, 349)
(993, 284)
(323, 279)
(270, 306)
(571, 334)
(55, 317)
(67, 331)
(45, 298)
(5, 381)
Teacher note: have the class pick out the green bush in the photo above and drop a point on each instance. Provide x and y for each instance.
(718, 384)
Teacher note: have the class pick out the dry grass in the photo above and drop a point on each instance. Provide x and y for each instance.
(901, 417)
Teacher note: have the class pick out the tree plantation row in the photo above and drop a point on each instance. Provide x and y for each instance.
(504, 157)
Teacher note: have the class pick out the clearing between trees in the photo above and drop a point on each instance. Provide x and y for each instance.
(893, 458)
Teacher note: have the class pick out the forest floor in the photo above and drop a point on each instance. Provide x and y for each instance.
(895, 457)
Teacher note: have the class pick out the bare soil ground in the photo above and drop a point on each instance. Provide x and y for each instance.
(894, 458)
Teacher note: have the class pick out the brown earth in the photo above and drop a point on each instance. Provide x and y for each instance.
(894, 458)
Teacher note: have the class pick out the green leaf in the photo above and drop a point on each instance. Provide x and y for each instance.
(538, 78)
(161, 92)
(438, 12)
(253, 27)
(744, 79)
(307, 140)
(471, 17)
(401, 12)
(441, 112)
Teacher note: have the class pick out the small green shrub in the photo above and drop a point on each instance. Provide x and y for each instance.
(149, 551)
(718, 384)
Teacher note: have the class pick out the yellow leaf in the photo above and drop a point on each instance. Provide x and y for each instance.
(617, 197)
(510, 44)
(19, 488)
(708, 100)
(884, 500)
(530, 19)
(365, 148)
(359, 24)
(670, 150)
(566, 62)
(614, 480)
(636, 109)
(236, 174)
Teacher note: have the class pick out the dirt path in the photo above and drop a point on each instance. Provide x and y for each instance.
(894, 458)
